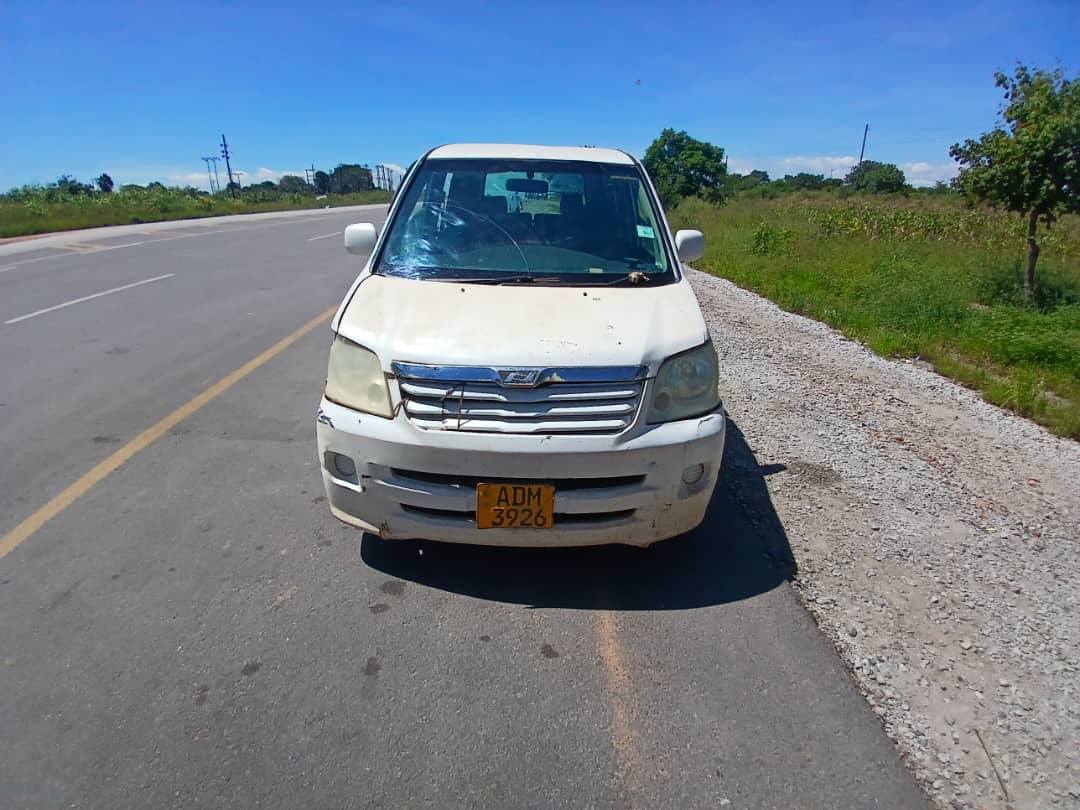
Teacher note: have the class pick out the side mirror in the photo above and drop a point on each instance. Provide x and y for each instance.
(360, 238)
(690, 245)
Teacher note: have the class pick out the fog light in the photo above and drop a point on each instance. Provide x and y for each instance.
(344, 466)
(691, 475)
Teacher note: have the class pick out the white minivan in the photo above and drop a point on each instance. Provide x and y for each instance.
(522, 361)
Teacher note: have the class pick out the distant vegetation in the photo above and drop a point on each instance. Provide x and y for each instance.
(69, 204)
(915, 278)
(943, 274)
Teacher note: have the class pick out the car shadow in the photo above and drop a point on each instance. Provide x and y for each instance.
(740, 550)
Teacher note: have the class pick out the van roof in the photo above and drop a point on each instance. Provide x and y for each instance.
(518, 151)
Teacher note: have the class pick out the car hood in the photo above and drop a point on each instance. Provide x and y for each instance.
(441, 323)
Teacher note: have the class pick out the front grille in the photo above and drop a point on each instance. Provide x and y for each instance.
(553, 407)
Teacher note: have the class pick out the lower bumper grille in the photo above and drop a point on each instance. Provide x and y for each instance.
(561, 519)
(560, 484)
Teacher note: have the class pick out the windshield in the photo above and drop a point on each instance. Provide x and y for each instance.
(517, 221)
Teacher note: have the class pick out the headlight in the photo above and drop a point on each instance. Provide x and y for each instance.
(685, 386)
(355, 379)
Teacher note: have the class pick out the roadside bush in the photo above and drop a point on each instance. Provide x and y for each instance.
(769, 240)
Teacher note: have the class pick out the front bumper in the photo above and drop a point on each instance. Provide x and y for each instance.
(421, 484)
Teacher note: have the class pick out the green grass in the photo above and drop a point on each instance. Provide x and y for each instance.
(35, 213)
(922, 278)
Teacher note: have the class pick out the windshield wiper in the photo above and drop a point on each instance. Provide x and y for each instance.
(531, 280)
(501, 279)
(634, 277)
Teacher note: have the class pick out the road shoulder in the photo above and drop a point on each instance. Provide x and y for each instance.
(935, 537)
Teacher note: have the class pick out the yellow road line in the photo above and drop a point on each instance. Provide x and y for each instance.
(623, 735)
(109, 465)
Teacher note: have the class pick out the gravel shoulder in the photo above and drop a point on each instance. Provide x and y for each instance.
(936, 542)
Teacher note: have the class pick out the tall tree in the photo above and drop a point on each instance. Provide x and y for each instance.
(69, 185)
(876, 178)
(681, 166)
(322, 182)
(292, 184)
(1030, 163)
(104, 183)
(348, 178)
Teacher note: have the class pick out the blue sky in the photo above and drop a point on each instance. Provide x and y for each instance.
(143, 90)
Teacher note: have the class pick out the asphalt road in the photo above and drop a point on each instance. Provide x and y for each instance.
(188, 626)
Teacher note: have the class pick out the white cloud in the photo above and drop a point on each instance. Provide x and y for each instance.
(196, 179)
(926, 174)
(838, 166)
(200, 180)
(262, 174)
(394, 167)
(777, 166)
(918, 173)
(740, 166)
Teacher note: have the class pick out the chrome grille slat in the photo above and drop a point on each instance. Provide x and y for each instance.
(603, 406)
(507, 426)
(492, 393)
(464, 408)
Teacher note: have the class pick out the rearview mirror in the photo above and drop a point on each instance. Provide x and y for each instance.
(360, 238)
(527, 186)
(690, 245)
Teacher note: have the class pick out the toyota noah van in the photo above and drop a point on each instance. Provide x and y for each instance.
(522, 361)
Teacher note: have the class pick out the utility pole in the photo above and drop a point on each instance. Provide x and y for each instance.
(228, 166)
(863, 150)
(208, 174)
(238, 175)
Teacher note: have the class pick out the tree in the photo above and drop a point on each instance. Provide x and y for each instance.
(805, 181)
(876, 178)
(756, 178)
(292, 184)
(1031, 165)
(348, 178)
(72, 187)
(322, 182)
(104, 183)
(681, 166)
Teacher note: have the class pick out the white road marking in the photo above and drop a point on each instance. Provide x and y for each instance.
(89, 298)
(324, 236)
(9, 267)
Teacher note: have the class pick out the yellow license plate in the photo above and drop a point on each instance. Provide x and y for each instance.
(515, 506)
